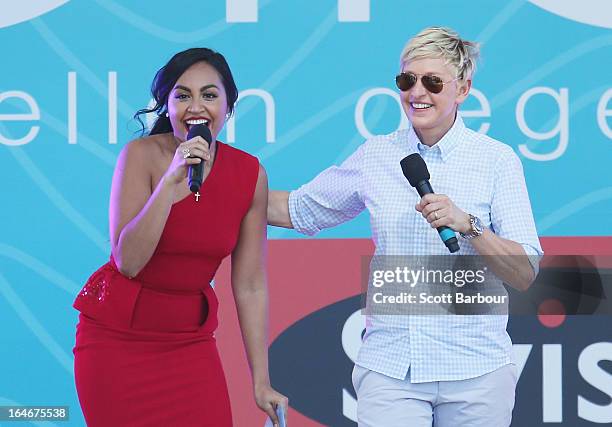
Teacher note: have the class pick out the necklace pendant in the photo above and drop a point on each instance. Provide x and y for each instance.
(197, 196)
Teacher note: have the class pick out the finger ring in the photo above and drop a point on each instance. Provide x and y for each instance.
(186, 153)
(436, 214)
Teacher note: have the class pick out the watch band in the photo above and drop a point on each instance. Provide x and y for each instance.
(477, 228)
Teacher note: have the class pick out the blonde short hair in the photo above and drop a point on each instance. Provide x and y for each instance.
(445, 43)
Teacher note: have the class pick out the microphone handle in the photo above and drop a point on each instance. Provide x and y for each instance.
(196, 176)
(446, 234)
(424, 187)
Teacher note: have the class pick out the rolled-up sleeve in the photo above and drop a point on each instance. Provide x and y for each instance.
(511, 214)
(331, 198)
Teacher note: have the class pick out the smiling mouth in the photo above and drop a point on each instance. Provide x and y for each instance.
(193, 122)
(420, 106)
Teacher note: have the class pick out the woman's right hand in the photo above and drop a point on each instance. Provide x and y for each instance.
(196, 148)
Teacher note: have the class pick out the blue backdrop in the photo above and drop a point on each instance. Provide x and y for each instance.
(315, 79)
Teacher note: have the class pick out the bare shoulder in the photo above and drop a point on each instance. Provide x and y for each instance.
(142, 149)
(131, 155)
(147, 155)
(135, 168)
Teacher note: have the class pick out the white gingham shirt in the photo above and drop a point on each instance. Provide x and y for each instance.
(481, 176)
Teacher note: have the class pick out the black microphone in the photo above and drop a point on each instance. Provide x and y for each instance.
(415, 171)
(196, 172)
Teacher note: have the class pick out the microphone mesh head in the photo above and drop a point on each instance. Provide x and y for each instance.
(414, 169)
(200, 130)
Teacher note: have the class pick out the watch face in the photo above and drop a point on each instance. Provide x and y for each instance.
(477, 225)
(477, 228)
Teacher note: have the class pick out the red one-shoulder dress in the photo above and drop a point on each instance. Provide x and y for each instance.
(145, 352)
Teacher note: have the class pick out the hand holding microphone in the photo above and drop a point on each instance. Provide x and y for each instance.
(196, 171)
(438, 209)
(187, 155)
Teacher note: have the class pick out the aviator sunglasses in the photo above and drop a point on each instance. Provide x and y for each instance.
(434, 84)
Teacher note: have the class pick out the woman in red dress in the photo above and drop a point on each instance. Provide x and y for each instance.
(145, 352)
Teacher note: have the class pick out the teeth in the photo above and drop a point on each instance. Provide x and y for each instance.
(419, 106)
(197, 122)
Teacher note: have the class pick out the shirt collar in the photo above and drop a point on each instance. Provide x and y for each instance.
(447, 144)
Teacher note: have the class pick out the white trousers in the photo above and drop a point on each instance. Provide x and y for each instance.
(485, 401)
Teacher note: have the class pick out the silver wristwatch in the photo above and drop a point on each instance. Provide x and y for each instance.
(477, 228)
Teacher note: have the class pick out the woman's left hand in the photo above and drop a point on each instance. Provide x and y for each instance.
(268, 400)
(439, 210)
